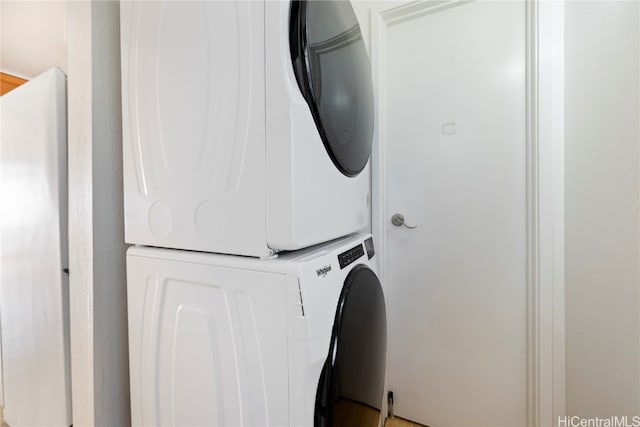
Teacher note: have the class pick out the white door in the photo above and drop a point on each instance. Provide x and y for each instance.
(33, 253)
(455, 153)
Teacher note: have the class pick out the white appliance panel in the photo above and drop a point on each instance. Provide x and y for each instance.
(221, 151)
(309, 200)
(230, 340)
(33, 252)
(193, 120)
(208, 344)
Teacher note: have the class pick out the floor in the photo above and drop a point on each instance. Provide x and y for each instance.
(364, 415)
(400, 422)
(354, 414)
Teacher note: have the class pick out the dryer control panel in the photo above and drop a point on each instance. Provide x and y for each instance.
(350, 256)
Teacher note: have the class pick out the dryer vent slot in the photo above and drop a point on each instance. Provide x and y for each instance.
(301, 303)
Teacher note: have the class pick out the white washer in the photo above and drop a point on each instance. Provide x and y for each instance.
(222, 340)
(247, 125)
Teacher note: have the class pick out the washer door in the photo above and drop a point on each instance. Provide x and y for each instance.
(351, 386)
(332, 68)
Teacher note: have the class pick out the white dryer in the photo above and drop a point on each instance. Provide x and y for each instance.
(222, 340)
(247, 125)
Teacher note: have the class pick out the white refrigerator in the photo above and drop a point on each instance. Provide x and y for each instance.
(34, 296)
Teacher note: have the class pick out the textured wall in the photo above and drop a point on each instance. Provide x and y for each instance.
(602, 137)
(99, 345)
(32, 37)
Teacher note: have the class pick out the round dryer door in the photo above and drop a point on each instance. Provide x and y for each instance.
(352, 380)
(331, 66)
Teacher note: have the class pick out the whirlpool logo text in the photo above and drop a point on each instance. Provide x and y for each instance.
(322, 272)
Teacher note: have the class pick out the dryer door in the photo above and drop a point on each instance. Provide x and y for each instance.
(351, 386)
(332, 69)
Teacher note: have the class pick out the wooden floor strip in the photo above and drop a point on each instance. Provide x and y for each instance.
(9, 82)
(400, 422)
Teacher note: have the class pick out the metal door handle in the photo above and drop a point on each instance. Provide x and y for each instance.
(398, 221)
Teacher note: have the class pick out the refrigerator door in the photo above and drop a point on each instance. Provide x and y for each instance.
(33, 253)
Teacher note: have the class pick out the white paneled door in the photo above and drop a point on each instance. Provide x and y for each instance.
(34, 295)
(455, 141)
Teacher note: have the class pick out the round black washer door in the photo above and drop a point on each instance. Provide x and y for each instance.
(332, 69)
(351, 385)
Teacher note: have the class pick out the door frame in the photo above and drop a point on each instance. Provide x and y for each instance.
(545, 335)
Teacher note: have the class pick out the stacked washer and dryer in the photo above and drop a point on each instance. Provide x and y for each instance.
(252, 293)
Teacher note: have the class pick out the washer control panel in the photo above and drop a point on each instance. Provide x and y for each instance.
(368, 245)
(348, 257)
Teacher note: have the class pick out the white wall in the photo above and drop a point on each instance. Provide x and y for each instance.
(363, 8)
(32, 37)
(602, 138)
